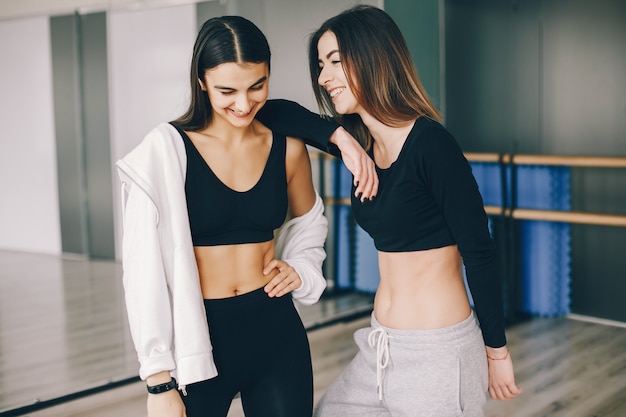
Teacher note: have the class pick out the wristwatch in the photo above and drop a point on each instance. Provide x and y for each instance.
(158, 389)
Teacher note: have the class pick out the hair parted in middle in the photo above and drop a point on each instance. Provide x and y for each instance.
(220, 40)
(378, 67)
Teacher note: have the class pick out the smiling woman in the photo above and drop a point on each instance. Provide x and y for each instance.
(235, 86)
(196, 255)
(236, 89)
(426, 348)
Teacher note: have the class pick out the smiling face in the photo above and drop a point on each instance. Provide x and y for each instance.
(332, 76)
(236, 91)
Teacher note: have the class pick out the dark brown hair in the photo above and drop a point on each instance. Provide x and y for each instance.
(221, 39)
(378, 68)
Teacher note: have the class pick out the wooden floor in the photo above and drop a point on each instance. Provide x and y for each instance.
(64, 332)
(67, 333)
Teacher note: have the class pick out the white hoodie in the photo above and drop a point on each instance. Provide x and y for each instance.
(162, 286)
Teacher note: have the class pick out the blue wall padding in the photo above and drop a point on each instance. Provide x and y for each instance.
(344, 248)
(345, 181)
(489, 182)
(545, 267)
(345, 239)
(544, 249)
(543, 187)
(355, 245)
(545, 246)
(366, 267)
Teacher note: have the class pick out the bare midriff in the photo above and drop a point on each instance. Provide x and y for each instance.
(421, 289)
(230, 270)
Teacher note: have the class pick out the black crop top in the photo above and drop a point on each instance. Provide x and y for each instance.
(428, 198)
(219, 215)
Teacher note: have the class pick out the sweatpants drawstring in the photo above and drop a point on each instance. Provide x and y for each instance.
(380, 338)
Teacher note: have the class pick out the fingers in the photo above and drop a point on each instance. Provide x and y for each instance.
(273, 264)
(358, 163)
(365, 180)
(501, 377)
(504, 392)
(503, 388)
(284, 282)
(373, 179)
(513, 391)
(279, 286)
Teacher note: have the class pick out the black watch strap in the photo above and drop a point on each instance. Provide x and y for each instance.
(158, 389)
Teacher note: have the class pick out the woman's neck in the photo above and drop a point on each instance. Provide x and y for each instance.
(386, 137)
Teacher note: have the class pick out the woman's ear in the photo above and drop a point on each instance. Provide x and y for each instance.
(201, 84)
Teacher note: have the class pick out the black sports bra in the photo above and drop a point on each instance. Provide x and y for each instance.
(219, 215)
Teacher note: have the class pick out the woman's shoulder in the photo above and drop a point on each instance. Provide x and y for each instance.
(430, 135)
(295, 148)
(425, 126)
(432, 146)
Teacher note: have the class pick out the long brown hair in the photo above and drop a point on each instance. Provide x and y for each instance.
(378, 68)
(221, 39)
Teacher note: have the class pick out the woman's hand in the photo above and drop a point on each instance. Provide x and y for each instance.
(501, 377)
(358, 163)
(166, 404)
(284, 282)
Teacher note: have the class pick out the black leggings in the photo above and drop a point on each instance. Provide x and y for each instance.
(261, 350)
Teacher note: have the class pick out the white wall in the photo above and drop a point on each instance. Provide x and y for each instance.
(29, 209)
(11, 9)
(149, 56)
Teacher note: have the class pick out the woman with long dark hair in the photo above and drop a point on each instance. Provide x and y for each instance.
(208, 286)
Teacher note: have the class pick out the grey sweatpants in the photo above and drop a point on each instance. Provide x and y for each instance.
(412, 373)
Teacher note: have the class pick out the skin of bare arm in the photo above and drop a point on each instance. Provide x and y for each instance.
(165, 404)
(501, 376)
(301, 196)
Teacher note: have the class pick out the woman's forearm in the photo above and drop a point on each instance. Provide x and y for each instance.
(289, 118)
